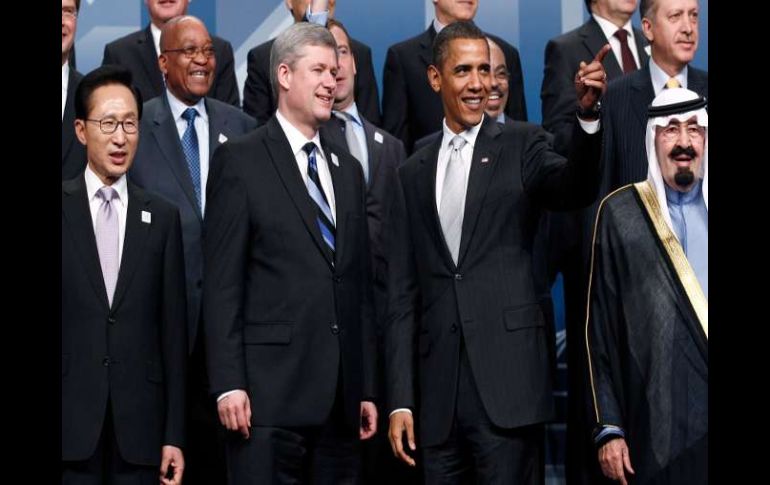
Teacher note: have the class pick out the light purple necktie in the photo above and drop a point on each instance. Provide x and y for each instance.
(107, 238)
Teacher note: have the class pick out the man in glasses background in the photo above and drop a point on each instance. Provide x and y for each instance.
(182, 128)
(139, 52)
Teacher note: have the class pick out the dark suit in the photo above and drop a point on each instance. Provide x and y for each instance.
(625, 124)
(563, 55)
(161, 167)
(260, 102)
(385, 156)
(476, 329)
(283, 321)
(410, 108)
(73, 153)
(128, 360)
(136, 52)
(564, 252)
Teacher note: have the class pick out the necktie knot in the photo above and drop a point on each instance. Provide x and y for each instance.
(189, 115)
(107, 194)
(458, 142)
(673, 83)
(621, 34)
(345, 116)
(626, 56)
(309, 147)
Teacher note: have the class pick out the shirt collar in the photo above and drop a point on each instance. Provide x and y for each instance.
(684, 198)
(178, 107)
(296, 139)
(155, 31)
(469, 135)
(94, 183)
(65, 75)
(352, 110)
(609, 28)
(660, 78)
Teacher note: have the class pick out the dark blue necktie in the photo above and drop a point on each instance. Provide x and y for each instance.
(190, 148)
(316, 191)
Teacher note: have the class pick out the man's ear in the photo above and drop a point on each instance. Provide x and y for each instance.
(80, 131)
(284, 76)
(434, 78)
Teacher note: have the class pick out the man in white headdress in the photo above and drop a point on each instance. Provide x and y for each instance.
(647, 325)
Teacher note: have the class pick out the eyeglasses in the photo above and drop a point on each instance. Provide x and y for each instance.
(501, 75)
(69, 12)
(110, 125)
(191, 52)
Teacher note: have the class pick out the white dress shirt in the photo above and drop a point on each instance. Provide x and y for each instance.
(65, 81)
(609, 30)
(93, 184)
(155, 31)
(201, 124)
(660, 78)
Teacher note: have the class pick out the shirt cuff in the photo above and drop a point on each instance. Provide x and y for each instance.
(225, 394)
(589, 127)
(400, 410)
(609, 431)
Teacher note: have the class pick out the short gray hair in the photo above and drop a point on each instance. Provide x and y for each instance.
(287, 48)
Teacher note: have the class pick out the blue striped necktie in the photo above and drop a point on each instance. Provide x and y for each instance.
(316, 191)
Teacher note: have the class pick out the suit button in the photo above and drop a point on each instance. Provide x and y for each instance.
(106, 362)
(338, 279)
(335, 328)
(458, 276)
(111, 320)
(453, 328)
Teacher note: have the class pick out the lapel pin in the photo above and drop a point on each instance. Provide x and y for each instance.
(222, 138)
(378, 137)
(335, 160)
(485, 160)
(146, 217)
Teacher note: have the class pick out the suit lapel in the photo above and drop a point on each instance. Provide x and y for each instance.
(695, 82)
(375, 151)
(166, 136)
(217, 126)
(426, 189)
(133, 242)
(594, 40)
(482, 167)
(150, 64)
(426, 46)
(285, 164)
(68, 121)
(78, 216)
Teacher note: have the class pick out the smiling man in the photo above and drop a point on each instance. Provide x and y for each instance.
(671, 27)
(139, 52)
(648, 315)
(287, 285)
(463, 305)
(182, 128)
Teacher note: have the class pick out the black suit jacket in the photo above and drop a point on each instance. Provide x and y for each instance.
(489, 298)
(410, 108)
(386, 154)
(260, 102)
(563, 55)
(136, 51)
(73, 153)
(133, 352)
(160, 167)
(624, 120)
(282, 319)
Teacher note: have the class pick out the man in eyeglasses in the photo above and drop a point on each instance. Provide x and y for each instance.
(182, 128)
(122, 304)
(139, 51)
(73, 156)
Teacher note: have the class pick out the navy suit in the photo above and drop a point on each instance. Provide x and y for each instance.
(136, 51)
(73, 153)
